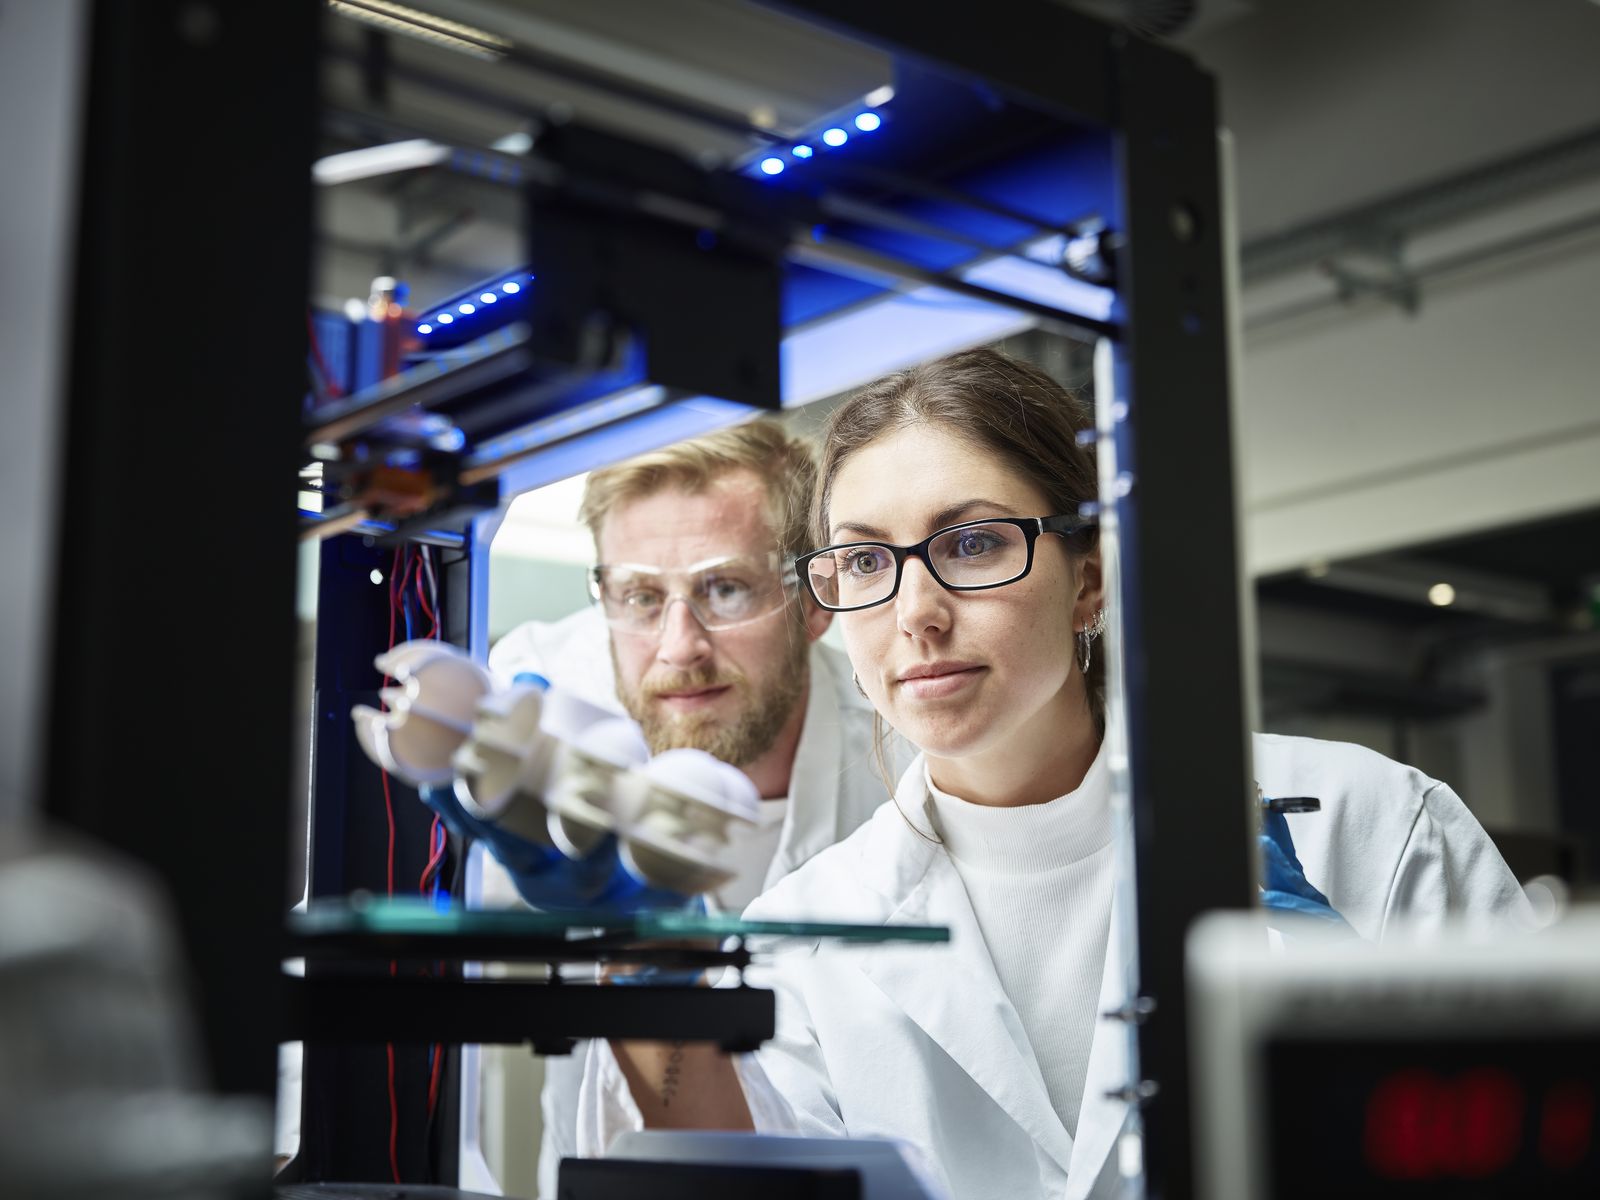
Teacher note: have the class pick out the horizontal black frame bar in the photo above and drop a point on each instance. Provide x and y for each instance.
(355, 946)
(511, 1011)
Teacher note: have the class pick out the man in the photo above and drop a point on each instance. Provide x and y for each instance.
(714, 645)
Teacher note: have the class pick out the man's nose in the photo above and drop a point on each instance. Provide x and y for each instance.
(922, 607)
(684, 642)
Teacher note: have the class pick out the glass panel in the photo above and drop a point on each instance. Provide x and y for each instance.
(405, 916)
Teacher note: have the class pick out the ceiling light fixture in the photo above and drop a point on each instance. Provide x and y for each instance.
(425, 27)
(371, 161)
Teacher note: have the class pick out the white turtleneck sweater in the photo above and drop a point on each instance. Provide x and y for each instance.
(1039, 878)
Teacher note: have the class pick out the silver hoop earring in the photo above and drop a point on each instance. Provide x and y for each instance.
(1093, 628)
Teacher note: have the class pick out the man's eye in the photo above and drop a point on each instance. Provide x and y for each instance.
(641, 598)
(728, 589)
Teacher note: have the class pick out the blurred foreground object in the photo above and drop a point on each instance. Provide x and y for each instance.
(1456, 1063)
(101, 1085)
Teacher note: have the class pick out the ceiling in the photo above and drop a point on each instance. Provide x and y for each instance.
(1335, 105)
(1332, 105)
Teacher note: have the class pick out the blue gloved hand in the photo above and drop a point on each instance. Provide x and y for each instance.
(1284, 886)
(547, 880)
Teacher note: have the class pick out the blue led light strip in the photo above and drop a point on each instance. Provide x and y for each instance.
(478, 303)
(829, 134)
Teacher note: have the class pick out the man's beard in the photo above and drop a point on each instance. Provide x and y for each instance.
(751, 732)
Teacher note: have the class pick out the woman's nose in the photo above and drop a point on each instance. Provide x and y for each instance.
(922, 606)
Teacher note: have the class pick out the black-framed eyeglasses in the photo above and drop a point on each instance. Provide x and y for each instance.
(969, 557)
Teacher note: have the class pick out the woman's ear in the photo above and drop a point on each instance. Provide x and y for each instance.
(1091, 597)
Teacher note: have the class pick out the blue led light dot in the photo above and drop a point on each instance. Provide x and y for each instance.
(835, 136)
(510, 287)
(772, 166)
(466, 310)
(489, 298)
(444, 318)
(424, 328)
(868, 121)
(802, 152)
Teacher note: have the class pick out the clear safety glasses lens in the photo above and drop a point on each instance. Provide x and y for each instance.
(734, 592)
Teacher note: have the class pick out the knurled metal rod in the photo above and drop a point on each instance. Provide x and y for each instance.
(420, 386)
(836, 255)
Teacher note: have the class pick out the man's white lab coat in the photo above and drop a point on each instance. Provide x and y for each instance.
(921, 1043)
(833, 788)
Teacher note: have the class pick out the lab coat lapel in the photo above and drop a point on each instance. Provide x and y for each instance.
(812, 824)
(969, 1017)
(1101, 1118)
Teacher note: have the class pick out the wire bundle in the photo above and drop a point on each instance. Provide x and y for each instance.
(413, 599)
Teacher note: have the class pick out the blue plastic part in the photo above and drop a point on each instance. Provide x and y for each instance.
(549, 881)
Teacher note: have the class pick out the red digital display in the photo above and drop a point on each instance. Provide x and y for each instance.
(1469, 1125)
(1485, 1118)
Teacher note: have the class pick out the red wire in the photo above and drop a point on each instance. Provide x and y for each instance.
(388, 812)
(397, 596)
(433, 1082)
(394, 569)
(399, 582)
(435, 858)
(334, 390)
(422, 596)
(394, 1121)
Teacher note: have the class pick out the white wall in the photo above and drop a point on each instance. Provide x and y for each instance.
(1371, 429)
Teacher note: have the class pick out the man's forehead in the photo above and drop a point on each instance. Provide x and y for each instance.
(675, 527)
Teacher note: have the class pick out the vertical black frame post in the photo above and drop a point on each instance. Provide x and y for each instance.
(1178, 560)
(1177, 555)
(345, 1107)
(172, 654)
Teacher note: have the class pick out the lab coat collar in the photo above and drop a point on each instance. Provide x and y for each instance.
(812, 823)
(974, 1022)
(970, 1019)
(1101, 1118)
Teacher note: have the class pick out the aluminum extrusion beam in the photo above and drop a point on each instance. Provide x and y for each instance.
(177, 754)
(1177, 557)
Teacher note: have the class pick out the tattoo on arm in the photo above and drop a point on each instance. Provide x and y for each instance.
(673, 1075)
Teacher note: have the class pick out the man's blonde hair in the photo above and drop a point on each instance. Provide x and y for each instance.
(783, 462)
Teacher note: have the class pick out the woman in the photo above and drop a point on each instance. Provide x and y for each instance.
(970, 595)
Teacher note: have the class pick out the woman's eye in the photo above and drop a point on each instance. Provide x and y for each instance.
(863, 562)
(973, 543)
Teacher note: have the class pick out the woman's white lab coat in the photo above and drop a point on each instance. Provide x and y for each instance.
(921, 1043)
